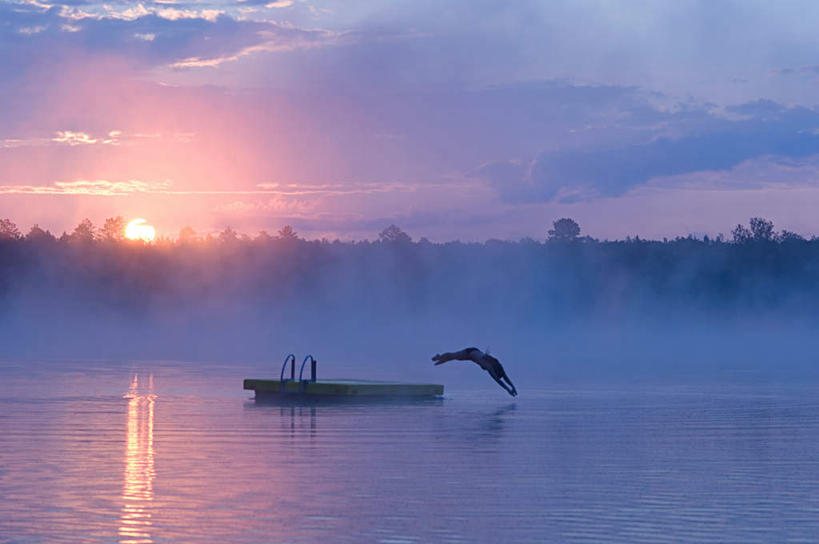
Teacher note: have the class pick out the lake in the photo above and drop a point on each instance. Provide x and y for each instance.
(172, 452)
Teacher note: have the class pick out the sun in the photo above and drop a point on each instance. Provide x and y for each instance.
(139, 230)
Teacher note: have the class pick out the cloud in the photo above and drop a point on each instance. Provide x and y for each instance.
(132, 187)
(338, 188)
(811, 70)
(278, 205)
(88, 187)
(714, 143)
(759, 173)
(12, 143)
(515, 94)
(147, 35)
(73, 138)
(272, 43)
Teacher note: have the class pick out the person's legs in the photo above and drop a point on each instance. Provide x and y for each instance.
(514, 391)
(497, 379)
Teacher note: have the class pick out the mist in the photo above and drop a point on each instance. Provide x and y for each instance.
(556, 310)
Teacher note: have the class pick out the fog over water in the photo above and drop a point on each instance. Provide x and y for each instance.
(574, 309)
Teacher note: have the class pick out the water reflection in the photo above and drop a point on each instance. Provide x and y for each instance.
(137, 489)
(298, 415)
(675, 464)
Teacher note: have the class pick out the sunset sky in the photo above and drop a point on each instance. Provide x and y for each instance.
(454, 120)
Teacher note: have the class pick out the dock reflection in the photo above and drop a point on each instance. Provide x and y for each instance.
(137, 490)
(298, 416)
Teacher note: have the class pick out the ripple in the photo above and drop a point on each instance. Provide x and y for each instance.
(586, 465)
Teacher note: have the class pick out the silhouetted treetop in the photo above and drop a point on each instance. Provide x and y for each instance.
(113, 229)
(37, 234)
(8, 230)
(85, 232)
(187, 234)
(287, 233)
(394, 235)
(228, 235)
(762, 229)
(565, 229)
(741, 234)
(788, 236)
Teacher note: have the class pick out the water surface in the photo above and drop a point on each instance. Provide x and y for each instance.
(176, 453)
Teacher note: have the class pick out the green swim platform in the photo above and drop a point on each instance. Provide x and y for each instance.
(314, 388)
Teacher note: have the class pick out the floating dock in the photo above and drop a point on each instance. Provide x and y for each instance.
(349, 388)
(314, 388)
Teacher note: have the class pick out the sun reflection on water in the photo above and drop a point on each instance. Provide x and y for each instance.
(137, 489)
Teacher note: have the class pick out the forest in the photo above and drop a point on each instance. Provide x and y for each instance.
(196, 295)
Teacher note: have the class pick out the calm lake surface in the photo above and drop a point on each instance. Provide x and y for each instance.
(178, 453)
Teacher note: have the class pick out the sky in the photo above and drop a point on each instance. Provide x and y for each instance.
(452, 119)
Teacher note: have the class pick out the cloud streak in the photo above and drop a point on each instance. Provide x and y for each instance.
(133, 187)
(715, 143)
(74, 138)
(88, 188)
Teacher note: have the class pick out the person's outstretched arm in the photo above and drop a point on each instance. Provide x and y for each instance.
(463, 355)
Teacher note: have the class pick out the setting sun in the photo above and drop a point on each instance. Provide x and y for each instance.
(139, 230)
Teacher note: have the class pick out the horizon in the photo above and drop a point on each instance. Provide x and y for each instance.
(11, 230)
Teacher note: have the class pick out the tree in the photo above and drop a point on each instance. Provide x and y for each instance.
(565, 229)
(8, 230)
(741, 234)
(113, 229)
(228, 235)
(263, 236)
(85, 232)
(187, 234)
(394, 235)
(788, 236)
(762, 229)
(287, 233)
(36, 234)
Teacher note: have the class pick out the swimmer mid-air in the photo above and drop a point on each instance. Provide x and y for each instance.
(484, 360)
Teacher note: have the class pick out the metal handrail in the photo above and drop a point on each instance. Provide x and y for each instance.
(302, 382)
(287, 359)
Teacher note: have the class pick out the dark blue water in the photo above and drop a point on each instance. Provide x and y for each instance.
(178, 453)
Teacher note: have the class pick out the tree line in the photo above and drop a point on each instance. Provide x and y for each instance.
(563, 230)
(563, 272)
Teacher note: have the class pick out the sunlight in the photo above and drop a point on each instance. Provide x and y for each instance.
(137, 492)
(139, 230)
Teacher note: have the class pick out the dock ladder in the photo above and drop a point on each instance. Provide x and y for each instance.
(291, 358)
